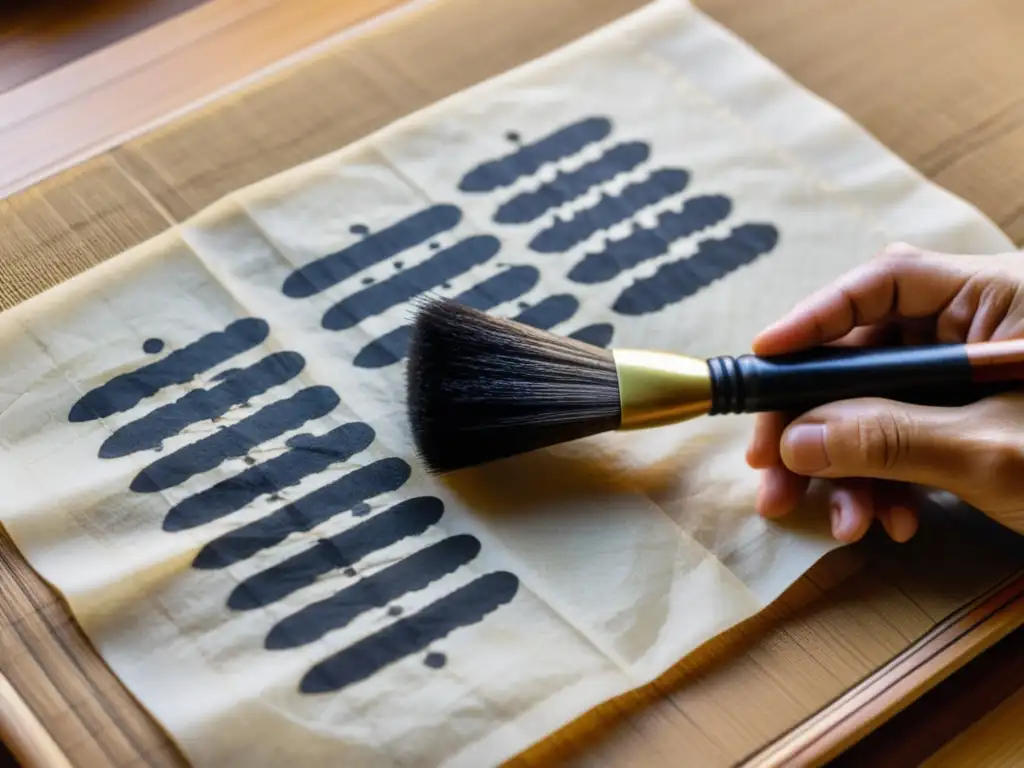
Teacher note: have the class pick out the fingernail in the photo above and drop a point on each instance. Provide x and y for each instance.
(759, 501)
(803, 447)
(836, 515)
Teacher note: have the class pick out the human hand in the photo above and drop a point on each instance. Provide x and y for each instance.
(876, 453)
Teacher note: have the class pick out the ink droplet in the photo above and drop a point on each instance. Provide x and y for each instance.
(249, 460)
(513, 136)
(523, 305)
(446, 285)
(435, 660)
(152, 346)
(359, 229)
(435, 245)
(394, 610)
(274, 497)
(350, 571)
(367, 280)
(362, 509)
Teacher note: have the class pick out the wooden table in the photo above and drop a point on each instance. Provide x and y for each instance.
(936, 80)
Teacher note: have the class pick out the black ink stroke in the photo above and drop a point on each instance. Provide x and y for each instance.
(569, 185)
(406, 285)
(463, 607)
(307, 456)
(410, 517)
(598, 334)
(210, 416)
(376, 590)
(124, 392)
(236, 387)
(505, 286)
(529, 158)
(713, 260)
(332, 269)
(236, 440)
(563, 234)
(304, 514)
(549, 312)
(646, 243)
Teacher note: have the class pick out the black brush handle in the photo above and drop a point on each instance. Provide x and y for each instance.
(940, 375)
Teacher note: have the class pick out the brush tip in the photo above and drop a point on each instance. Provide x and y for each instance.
(482, 388)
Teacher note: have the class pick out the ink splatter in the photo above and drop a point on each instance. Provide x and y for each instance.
(153, 346)
(435, 660)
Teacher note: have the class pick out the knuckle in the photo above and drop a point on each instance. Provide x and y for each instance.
(881, 438)
(1001, 467)
(900, 250)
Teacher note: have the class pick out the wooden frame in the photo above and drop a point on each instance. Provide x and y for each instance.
(949, 646)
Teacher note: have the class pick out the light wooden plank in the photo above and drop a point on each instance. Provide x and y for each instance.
(88, 106)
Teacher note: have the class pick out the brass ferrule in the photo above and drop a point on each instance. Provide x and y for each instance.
(659, 388)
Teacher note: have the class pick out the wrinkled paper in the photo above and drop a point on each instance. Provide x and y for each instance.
(204, 440)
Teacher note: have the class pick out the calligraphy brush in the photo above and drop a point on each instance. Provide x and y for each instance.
(482, 388)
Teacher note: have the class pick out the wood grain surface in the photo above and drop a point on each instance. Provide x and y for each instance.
(959, 121)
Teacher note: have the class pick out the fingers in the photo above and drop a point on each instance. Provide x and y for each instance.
(882, 439)
(980, 310)
(780, 492)
(904, 282)
(763, 451)
(854, 504)
(851, 509)
(896, 508)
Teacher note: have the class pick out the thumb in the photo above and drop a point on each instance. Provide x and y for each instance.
(882, 439)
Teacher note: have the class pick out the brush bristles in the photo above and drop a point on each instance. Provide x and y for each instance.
(482, 388)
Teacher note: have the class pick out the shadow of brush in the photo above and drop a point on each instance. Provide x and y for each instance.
(569, 475)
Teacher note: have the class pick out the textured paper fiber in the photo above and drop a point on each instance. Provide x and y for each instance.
(204, 439)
